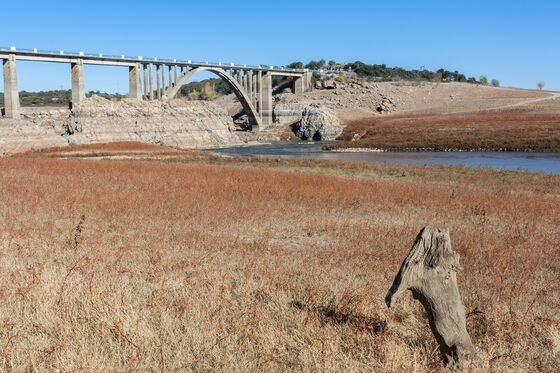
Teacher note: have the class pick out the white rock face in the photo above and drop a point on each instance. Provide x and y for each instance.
(318, 123)
(173, 122)
(310, 122)
(187, 124)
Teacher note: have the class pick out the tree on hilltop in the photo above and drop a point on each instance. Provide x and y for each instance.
(540, 85)
(484, 80)
(314, 65)
(495, 83)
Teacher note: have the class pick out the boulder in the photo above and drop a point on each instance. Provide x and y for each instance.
(318, 123)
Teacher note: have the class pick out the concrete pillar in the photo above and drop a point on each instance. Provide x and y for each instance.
(151, 81)
(146, 91)
(255, 90)
(307, 77)
(250, 86)
(175, 75)
(260, 98)
(134, 82)
(298, 85)
(239, 79)
(244, 81)
(78, 91)
(158, 81)
(266, 91)
(11, 93)
(162, 80)
(162, 71)
(170, 76)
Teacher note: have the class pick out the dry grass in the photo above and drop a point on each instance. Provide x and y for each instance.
(203, 263)
(508, 130)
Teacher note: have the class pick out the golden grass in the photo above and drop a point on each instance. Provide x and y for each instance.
(498, 130)
(203, 263)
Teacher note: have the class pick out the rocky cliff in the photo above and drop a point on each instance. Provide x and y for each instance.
(187, 124)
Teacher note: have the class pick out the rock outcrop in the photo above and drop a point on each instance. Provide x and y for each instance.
(187, 124)
(310, 122)
(173, 122)
(318, 123)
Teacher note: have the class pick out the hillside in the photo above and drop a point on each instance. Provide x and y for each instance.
(362, 112)
(404, 115)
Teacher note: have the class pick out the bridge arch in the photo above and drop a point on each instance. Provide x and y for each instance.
(250, 110)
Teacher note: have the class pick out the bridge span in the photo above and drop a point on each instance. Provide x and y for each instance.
(159, 79)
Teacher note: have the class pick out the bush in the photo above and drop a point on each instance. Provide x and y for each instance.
(315, 65)
(495, 83)
(296, 65)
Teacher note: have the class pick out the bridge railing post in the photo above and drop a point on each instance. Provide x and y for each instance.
(11, 93)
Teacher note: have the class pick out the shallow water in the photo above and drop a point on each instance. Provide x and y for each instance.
(534, 162)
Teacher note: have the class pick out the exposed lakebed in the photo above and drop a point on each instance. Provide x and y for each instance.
(534, 162)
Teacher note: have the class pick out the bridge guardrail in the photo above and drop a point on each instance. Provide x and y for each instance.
(147, 59)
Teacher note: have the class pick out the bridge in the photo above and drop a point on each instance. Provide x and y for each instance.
(159, 79)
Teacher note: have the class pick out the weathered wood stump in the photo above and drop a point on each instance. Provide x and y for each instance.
(430, 272)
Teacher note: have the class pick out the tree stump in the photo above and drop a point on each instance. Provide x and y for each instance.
(430, 272)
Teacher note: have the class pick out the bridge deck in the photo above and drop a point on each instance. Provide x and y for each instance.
(100, 59)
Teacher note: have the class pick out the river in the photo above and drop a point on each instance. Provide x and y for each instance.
(533, 162)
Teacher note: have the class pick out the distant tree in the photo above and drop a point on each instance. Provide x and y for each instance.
(484, 80)
(332, 63)
(208, 92)
(296, 65)
(540, 85)
(495, 83)
(315, 65)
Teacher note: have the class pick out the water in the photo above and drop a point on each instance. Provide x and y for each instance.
(534, 162)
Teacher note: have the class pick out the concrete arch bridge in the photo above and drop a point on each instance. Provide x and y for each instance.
(160, 79)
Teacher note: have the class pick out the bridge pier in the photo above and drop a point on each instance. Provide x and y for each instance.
(298, 85)
(266, 92)
(255, 90)
(259, 93)
(151, 81)
(78, 90)
(250, 85)
(134, 82)
(11, 93)
(146, 93)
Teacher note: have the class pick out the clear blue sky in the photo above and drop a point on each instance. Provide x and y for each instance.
(514, 41)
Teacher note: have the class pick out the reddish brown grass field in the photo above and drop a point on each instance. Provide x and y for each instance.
(511, 130)
(203, 263)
